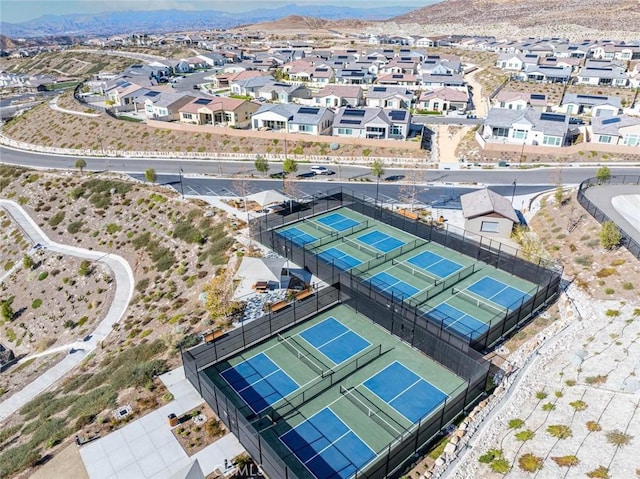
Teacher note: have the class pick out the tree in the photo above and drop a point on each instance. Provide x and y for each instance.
(377, 170)
(27, 262)
(6, 311)
(610, 236)
(603, 174)
(262, 165)
(81, 164)
(150, 175)
(559, 194)
(290, 166)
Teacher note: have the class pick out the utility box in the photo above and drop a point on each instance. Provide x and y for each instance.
(173, 420)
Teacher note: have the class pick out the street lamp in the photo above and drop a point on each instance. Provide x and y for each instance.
(181, 187)
(513, 194)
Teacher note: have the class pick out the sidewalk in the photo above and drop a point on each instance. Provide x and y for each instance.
(124, 281)
(146, 448)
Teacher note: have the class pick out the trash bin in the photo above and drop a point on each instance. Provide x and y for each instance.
(173, 420)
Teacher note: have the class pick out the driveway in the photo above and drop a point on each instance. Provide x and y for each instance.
(124, 281)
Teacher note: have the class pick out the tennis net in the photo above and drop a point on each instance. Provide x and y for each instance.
(478, 302)
(361, 247)
(302, 354)
(358, 400)
(322, 228)
(414, 272)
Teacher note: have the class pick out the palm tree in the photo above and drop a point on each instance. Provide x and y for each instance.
(377, 170)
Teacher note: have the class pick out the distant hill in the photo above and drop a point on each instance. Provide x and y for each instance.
(302, 23)
(605, 15)
(111, 23)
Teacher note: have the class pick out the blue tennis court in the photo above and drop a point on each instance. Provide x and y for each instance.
(498, 292)
(459, 321)
(434, 263)
(335, 340)
(390, 284)
(405, 391)
(297, 236)
(380, 241)
(338, 222)
(327, 446)
(259, 382)
(339, 258)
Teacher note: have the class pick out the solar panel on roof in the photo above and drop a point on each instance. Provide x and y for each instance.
(610, 121)
(538, 96)
(592, 97)
(396, 76)
(202, 101)
(308, 111)
(353, 112)
(322, 69)
(379, 88)
(152, 93)
(349, 122)
(552, 117)
(398, 115)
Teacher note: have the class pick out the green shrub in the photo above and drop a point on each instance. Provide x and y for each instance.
(56, 219)
(530, 463)
(627, 286)
(74, 227)
(559, 431)
(516, 423)
(18, 458)
(500, 466)
(36, 303)
(525, 435)
(42, 276)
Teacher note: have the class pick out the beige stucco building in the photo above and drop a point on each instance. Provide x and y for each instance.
(488, 214)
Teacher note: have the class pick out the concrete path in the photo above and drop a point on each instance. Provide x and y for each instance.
(124, 281)
(53, 104)
(146, 448)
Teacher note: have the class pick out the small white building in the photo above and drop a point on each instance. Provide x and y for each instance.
(488, 214)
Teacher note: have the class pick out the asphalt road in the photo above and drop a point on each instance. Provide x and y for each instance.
(499, 176)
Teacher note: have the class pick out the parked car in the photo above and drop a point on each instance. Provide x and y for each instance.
(321, 170)
(394, 178)
(279, 174)
(309, 174)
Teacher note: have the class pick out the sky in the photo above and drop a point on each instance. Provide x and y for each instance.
(15, 11)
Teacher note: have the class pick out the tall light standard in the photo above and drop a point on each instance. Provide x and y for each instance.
(181, 187)
(513, 194)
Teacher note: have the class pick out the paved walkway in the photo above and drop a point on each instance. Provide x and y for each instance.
(53, 104)
(124, 282)
(146, 448)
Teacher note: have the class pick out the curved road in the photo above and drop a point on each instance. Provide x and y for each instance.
(124, 282)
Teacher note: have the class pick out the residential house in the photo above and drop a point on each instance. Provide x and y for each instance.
(398, 66)
(293, 119)
(165, 106)
(510, 61)
(250, 86)
(546, 74)
(513, 100)
(218, 111)
(443, 99)
(488, 214)
(434, 64)
(399, 79)
(611, 75)
(283, 92)
(213, 59)
(526, 127)
(389, 97)
(337, 96)
(594, 105)
(572, 62)
(354, 77)
(431, 81)
(617, 130)
(224, 80)
(374, 123)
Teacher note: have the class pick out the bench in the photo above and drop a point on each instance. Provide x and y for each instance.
(279, 305)
(304, 294)
(212, 335)
(408, 214)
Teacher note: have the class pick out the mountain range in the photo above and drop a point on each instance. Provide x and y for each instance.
(155, 21)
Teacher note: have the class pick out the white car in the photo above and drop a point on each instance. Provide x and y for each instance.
(321, 170)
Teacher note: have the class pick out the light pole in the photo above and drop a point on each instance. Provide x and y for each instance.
(181, 187)
(513, 194)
